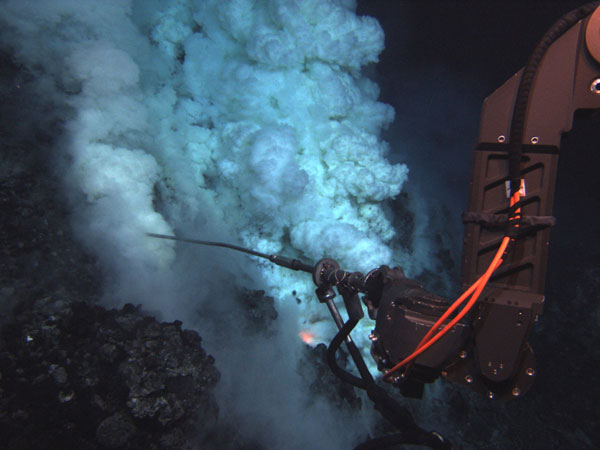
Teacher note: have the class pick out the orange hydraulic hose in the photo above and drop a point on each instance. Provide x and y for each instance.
(476, 287)
(455, 305)
(468, 292)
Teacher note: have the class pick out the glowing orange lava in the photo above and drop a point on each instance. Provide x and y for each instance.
(307, 336)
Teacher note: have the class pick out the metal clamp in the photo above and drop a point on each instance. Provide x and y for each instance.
(522, 188)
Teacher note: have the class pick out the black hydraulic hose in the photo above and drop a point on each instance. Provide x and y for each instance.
(517, 125)
(387, 406)
(332, 350)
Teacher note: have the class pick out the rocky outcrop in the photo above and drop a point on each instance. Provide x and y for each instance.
(94, 378)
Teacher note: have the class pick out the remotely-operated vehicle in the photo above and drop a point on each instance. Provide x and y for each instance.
(481, 339)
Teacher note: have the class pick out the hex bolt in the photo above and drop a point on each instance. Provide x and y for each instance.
(595, 86)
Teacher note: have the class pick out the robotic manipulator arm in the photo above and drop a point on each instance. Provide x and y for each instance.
(512, 189)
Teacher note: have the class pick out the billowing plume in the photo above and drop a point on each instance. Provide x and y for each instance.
(244, 120)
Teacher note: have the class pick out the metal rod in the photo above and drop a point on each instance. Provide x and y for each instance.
(337, 318)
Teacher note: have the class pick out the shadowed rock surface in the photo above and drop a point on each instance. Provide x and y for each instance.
(80, 376)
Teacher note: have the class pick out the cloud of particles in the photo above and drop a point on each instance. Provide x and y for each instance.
(248, 121)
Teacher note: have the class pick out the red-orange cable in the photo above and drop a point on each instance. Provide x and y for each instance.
(452, 308)
(449, 311)
(514, 199)
(478, 287)
(454, 321)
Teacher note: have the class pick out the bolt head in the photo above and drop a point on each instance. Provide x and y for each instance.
(462, 354)
(468, 379)
(595, 86)
(530, 371)
(516, 392)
